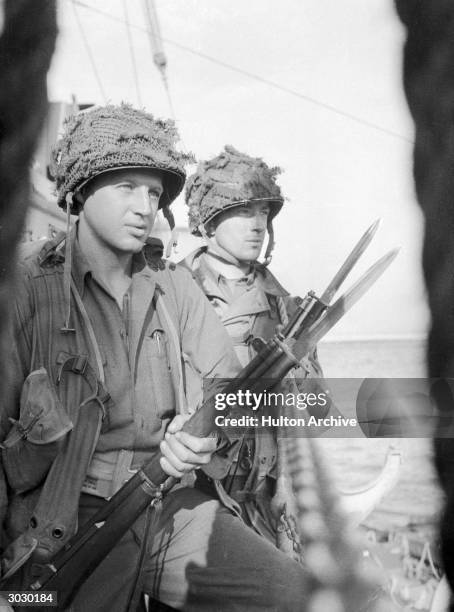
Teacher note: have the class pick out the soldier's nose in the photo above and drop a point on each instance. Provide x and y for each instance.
(142, 202)
(259, 223)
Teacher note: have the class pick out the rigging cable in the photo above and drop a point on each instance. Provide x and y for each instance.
(131, 50)
(329, 107)
(169, 100)
(88, 49)
(157, 50)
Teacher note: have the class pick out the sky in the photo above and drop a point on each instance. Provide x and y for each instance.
(337, 124)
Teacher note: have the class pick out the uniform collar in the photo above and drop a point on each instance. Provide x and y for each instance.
(268, 282)
(209, 278)
(81, 266)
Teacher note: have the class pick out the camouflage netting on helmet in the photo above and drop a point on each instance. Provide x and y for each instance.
(227, 180)
(115, 137)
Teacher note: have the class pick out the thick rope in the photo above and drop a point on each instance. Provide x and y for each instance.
(332, 557)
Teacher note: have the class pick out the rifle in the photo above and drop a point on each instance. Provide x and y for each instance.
(313, 318)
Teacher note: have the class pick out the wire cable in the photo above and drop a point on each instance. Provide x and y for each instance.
(169, 100)
(131, 50)
(292, 92)
(329, 107)
(157, 51)
(88, 49)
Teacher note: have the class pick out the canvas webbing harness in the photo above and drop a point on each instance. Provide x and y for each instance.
(55, 515)
(54, 518)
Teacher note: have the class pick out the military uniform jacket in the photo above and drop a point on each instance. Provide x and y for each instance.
(259, 306)
(258, 309)
(54, 373)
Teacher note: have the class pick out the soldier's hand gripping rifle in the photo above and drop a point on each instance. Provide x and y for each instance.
(313, 319)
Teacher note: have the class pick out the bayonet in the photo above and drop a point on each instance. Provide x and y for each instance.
(312, 307)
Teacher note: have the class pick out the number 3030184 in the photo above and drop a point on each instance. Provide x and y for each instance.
(29, 598)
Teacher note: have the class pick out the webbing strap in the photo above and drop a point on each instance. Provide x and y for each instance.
(80, 365)
(162, 310)
(67, 265)
(55, 516)
(91, 332)
(152, 517)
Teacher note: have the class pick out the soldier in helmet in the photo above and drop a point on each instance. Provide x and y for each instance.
(233, 199)
(97, 387)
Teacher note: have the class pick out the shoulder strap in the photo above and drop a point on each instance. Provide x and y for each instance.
(163, 313)
(90, 330)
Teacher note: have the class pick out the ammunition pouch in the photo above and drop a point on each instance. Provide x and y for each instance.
(53, 518)
(37, 436)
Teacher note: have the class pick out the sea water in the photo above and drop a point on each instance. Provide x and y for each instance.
(416, 500)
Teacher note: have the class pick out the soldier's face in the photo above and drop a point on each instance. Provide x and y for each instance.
(120, 208)
(241, 230)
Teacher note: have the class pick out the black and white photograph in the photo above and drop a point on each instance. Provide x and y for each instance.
(226, 305)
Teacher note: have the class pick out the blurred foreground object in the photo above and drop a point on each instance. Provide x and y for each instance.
(358, 504)
(337, 578)
(26, 45)
(429, 87)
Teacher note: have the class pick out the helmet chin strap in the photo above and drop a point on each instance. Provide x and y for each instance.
(222, 254)
(270, 245)
(218, 251)
(67, 266)
(171, 245)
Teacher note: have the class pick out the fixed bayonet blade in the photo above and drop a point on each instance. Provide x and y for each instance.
(312, 308)
(349, 263)
(308, 339)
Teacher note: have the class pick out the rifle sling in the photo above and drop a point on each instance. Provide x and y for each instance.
(151, 522)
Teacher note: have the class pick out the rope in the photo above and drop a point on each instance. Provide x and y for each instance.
(333, 562)
(131, 51)
(89, 53)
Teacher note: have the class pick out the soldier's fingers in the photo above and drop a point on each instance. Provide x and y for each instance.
(176, 460)
(196, 444)
(177, 422)
(169, 469)
(185, 454)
